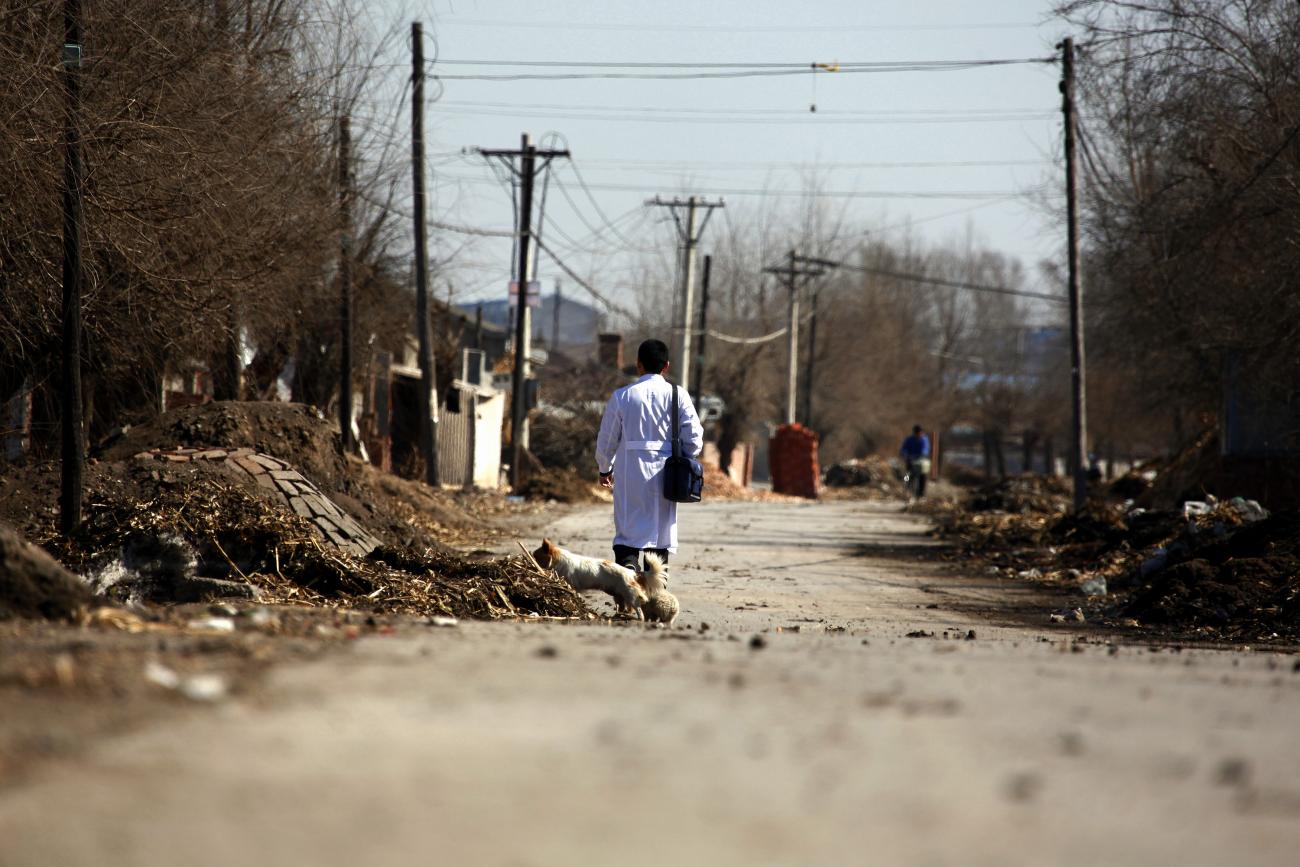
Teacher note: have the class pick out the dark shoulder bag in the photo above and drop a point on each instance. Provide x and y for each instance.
(683, 476)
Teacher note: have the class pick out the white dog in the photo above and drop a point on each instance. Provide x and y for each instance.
(660, 605)
(591, 573)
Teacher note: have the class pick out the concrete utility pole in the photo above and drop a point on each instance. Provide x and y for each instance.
(789, 275)
(811, 361)
(74, 438)
(528, 156)
(704, 325)
(428, 403)
(555, 317)
(1078, 390)
(689, 233)
(345, 283)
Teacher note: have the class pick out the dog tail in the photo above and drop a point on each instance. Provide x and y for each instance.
(655, 576)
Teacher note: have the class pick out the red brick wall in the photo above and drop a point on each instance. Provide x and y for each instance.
(793, 461)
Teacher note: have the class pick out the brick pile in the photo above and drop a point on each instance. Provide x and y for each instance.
(286, 484)
(793, 461)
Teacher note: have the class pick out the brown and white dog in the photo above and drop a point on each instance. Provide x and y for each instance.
(660, 605)
(592, 573)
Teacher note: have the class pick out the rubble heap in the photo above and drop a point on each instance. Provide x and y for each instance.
(1211, 569)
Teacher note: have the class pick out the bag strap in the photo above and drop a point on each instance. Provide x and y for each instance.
(677, 446)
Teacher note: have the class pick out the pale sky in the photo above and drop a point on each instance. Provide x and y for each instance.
(951, 151)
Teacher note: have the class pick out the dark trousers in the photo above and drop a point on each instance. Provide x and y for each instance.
(920, 479)
(630, 557)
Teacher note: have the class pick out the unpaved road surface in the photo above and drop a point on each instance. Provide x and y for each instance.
(844, 742)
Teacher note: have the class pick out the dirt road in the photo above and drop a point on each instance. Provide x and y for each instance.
(746, 742)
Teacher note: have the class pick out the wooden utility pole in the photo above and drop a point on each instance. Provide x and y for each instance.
(528, 155)
(74, 443)
(689, 233)
(789, 275)
(345, 283)
(704, 325)
(428, 404)
(1078, 385)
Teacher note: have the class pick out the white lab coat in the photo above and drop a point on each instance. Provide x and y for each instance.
(635, 439)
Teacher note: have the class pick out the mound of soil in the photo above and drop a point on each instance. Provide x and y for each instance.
(34, 585)
(1021, 494)
(241, 537)
(293, 432)
(1246, 585)
(872, 472)
(559, 484)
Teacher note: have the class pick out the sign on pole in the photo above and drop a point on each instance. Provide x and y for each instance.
(534, 293)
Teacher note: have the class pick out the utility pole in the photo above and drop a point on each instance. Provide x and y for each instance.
(811, 361)
(789, 275)
(528, 156)
(555, 318)
(704, 325)
(345, 283)
(74, 443)
(1078, 392)
(428, 404)
(689, 233)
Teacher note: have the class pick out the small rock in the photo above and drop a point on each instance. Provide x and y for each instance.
(1024, 786)
(1232, 772)
(970, 635)
(1072, 743)
(223, 609)
(920, 633)
(547, 651)
(757, 642)
(1068, 615)
(1095, 586)
(443, 621)
(213, 624)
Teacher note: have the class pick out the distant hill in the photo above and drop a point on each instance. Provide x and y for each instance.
(579, 323)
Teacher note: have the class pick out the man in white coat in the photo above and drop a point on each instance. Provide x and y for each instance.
(635, 439)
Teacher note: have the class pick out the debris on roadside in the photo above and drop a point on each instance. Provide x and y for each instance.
(1224, 569)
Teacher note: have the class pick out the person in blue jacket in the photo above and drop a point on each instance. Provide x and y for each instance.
(916, 456)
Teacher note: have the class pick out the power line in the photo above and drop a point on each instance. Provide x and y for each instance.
(595, 204)
(733, 165)
(753, 111)
(612, 306)
(830, 194)
(932, 281)
(757, 72)
(741, 28)
(803, 118)
(800, 66)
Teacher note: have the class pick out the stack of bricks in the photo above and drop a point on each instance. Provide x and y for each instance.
(793, 461)
(286, 485)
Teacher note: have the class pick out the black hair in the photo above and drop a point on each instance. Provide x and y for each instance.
(653, 355)
(916, 429)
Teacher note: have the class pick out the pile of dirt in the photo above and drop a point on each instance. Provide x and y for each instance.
(564, 438)
(560, 485)
(34, 585)
(1240, 584)
(1220, 570)
(293, 432)
(197, 524)
(873, 474)
(1022, 494)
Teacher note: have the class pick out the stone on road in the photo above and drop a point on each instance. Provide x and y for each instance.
(834, 739)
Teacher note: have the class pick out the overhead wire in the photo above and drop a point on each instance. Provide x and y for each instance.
(744, 71)
(739, 28)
